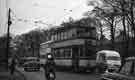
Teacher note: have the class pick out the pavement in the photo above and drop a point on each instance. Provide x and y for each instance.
(5, 74)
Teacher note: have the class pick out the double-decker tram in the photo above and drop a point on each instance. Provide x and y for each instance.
(74, 48)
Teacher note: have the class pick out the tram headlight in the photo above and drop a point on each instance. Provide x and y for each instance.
(49, 56)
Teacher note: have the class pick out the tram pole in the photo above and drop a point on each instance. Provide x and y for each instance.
(8, 35)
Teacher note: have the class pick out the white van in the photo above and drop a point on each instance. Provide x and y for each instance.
(110, 58)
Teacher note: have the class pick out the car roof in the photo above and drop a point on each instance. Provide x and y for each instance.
(32, 58)
(131, 58)
(109, 52)
(31, 62)
(29, 58)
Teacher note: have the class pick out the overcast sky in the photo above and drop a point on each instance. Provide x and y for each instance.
(25, 12)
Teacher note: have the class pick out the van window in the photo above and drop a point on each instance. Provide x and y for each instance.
(102, 57)
(113, 58)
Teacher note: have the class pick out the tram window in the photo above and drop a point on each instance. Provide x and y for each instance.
(58, 53)
(55, 53)
(69, 34)
(61, 52)
(89, 53)
(82, 54)
(53, 37)
(67, 53)
(74, 33)
(65, 35)
(62, 35)
(80, 32)
(58, 36)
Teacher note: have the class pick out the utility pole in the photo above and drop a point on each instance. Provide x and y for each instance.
(8, 35)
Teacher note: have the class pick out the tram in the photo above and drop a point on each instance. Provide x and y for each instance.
(74, 55)
(74, 47)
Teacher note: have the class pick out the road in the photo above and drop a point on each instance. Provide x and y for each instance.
(60, 75)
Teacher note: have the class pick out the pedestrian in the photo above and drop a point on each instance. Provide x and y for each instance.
(12, 66)
(49, 67)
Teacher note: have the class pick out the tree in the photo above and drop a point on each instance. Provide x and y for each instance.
(28, 44)
(123, 11)
(3, 46)
(126, 11)
(109, 15)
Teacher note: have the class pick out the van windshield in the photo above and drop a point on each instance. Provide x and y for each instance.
(113, 58)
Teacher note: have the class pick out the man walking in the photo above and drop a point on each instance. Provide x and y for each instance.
(49, 67)
(12, 66)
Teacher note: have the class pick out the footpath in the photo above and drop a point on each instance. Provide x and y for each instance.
(5, 74)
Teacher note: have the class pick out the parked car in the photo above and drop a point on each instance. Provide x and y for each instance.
(32, 66)
(126, 72)
(24, 60)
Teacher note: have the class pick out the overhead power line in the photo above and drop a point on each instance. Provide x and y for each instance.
(30, 21)
(70, 11)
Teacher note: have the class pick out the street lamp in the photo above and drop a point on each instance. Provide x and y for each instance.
(8, 35)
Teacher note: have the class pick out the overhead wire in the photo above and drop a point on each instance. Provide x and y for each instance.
(31, 22)
(70, 11)
(39, 22)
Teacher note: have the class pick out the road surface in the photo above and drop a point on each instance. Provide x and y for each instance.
(60, 75)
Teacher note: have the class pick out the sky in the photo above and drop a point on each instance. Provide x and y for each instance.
(25, 12)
